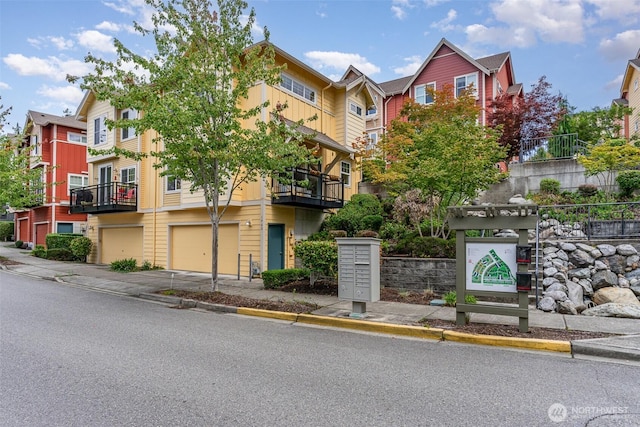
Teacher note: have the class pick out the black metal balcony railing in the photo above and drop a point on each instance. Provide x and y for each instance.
(308, 188)
(104, 198)
(552, 147)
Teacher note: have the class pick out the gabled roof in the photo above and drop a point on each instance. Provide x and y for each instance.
(494, 62)
(445, 42)
(515, 89)
(396, 86)
(633, 64)
(621, 102)
(320, 138)
(45, 119)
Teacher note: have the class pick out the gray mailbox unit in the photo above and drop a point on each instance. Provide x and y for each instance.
(358, 271)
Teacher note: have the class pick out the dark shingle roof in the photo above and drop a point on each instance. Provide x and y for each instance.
(44, 119)
(394, 86)
(493, 62)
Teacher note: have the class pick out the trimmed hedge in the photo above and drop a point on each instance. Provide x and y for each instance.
(60, 241)
(60, 254)
(274, 279)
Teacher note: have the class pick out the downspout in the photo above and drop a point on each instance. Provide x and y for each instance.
(155, 209)
(54, 176)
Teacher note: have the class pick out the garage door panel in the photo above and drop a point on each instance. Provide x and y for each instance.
(121, 243)
(191, 248)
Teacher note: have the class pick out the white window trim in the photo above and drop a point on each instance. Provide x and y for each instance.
(135, 175)
(176, 190)
(372, 142)
(305, 87)
(101, 133)
(425, 86)
(33, 143)
(355, 106)
(85, 181)
(75, 134)
(131, 132)
(342, 173)
(466, 77)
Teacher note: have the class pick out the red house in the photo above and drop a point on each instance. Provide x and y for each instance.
(447, 64)
(59, 148)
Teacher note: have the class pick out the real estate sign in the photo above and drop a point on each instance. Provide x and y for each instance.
(491, 267)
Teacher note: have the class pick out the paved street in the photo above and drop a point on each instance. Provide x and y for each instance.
(70, 356)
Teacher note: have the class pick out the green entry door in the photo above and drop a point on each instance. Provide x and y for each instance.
(276, 247)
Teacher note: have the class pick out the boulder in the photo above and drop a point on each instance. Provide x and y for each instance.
(626, 250)
(607, 250)
(556, 295)
(584, 247)
(517, 199)
(562, 255)
(580, 258)
(547, 304)
(616, 263)
(557, 286)
(586, 286)
(568, 247)
(566, 307)
(548, 281)
(575, 293)
(579, 273)
(549, 250)
(615, 295)
(636, 290)
(604, 279)
(614, 310)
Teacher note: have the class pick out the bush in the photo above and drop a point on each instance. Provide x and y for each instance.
(350, 217)
(393, 230)
(39, 251)
(628, 181)
(371, 222)
(147, 266)
(81, 247)
(124, 265)
(367, 233)
(60, 241)
(274, 279)
(320, 257)
(19, 244)
(550, 186)
(587, 190)
(60, 254)
(450, 299)
(6, 230)
(320, 236)
(426, 247)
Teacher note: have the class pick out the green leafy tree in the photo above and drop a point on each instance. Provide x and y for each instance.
(193, 92)
(441, 150)
(605, 159)
(595, 125)
(20, 185)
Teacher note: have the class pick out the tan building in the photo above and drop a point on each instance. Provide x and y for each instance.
(136, 213)
(630, 97)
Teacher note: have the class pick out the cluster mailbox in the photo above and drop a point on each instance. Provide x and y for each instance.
(359, 271)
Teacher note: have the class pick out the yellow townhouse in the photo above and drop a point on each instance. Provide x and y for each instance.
(136, 213)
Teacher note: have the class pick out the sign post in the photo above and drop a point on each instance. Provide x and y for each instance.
(493, 266)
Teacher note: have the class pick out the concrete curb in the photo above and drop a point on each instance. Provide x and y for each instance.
(523, 343)
(591, 348)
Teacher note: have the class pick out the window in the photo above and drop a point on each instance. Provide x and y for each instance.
(99, 130)
(373, 141)
(76, 137)
(355, 108)
(128, 132)
(128, 175)
(345, 173)
(372, 111)
(298, 88)
(463, 82)
(423, 95)
(34, 144)
(77, 181)
(173, 183)
(65, 227)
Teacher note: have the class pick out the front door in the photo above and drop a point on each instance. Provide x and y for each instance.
(104, 185)
(275, 249)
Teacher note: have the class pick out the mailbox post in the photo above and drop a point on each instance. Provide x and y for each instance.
(358, 272)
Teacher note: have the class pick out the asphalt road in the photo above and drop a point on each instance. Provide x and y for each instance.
(73, 357)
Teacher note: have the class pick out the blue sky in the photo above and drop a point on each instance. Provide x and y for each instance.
(582, 46)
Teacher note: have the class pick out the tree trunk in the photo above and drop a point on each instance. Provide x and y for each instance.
(214, 255)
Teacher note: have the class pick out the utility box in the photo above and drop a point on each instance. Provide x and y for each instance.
(358, 269)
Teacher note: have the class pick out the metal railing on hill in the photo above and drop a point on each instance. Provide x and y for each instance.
(551, 147)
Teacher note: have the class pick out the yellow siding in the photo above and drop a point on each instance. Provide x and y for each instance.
(97, 109)
(634, 102)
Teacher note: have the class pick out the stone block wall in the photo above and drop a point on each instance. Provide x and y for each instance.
(418, 274)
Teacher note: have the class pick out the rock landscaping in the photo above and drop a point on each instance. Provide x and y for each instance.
(600, 280)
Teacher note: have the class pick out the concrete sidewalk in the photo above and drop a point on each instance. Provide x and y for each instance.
(389, 317)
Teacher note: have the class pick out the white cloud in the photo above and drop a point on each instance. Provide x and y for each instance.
(614, 84)
(95, 40)
(413, 63)
(54, 68)
(526, 21)
(622, 47)
(445, 23)
(69, 94)
(431, 3)
(626, 12)
(4, 86)
(37, 43)
(121, 6)
(61, 43)
(340, 61)
(108, 26)
(399, 8)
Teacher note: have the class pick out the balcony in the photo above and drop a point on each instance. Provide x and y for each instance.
(306, 188)
(104, 198)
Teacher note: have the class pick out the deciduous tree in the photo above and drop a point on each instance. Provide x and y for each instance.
(193, 92)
